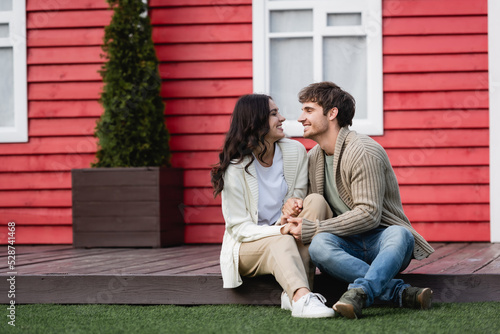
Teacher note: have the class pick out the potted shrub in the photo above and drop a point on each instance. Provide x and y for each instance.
(131, 197)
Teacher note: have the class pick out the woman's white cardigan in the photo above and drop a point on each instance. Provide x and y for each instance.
(240, 198)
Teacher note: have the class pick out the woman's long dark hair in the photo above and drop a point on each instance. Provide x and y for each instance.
(249, 126)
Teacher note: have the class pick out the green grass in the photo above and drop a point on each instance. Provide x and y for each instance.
(472, 318)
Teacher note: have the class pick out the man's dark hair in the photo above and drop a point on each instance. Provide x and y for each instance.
(328, 95)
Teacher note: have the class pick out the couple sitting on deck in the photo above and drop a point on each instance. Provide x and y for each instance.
(337, 207)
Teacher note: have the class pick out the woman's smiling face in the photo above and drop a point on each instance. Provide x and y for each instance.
(275, 123)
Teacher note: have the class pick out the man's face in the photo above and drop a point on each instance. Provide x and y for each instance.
(313, 120)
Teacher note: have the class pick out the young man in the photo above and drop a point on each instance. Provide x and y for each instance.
(357, 228)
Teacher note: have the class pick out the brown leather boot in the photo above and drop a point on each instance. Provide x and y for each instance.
(418, 298)
(351, 303)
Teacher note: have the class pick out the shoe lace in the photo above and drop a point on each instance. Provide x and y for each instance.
(315, 298)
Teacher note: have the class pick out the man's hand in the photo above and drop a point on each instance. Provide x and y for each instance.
(292, 207)
(283, 220)
(295, 228)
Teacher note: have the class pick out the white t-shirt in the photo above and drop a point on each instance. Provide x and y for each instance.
(272, 188)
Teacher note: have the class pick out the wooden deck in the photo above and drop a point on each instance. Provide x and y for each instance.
(188, 275)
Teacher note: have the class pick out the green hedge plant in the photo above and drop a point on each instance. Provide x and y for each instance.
(131, 132)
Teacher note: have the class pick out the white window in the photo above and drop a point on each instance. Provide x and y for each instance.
(13, 80)
(296, 43)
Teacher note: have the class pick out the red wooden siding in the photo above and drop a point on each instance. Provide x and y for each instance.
(435, 117)
(206, 62)
(64, 39)
(206, 53)
(435, 109)
(435, 120)
(436, 114)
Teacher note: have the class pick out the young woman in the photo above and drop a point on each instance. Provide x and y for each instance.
(257, 172)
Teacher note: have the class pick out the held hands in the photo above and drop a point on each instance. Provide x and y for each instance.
(295, 227)
(292, 207)
(292, 226)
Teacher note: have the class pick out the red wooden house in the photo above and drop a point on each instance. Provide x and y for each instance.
(429, 96)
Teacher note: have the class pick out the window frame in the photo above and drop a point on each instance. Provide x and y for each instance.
(494, 116)
(371, 28)
(16, 20)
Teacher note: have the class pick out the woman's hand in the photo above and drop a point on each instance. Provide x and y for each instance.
(285, 229)
(292, 207)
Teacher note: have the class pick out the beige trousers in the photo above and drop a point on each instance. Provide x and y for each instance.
(277, 255)
(282, 256)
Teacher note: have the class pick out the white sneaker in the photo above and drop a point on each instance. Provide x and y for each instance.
(285, 302)
(311, 305)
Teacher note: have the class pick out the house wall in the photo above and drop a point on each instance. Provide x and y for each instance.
(435, 109)
(63, 39)
(436, 114)
(205, 47)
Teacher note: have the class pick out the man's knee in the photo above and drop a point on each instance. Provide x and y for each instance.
(401, 232)
(401, 235)
(316, 207)
(313, 200)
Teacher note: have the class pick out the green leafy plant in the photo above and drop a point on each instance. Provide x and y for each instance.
(131, 132)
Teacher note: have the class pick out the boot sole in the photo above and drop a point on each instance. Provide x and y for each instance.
(425, 299)
(345, 310)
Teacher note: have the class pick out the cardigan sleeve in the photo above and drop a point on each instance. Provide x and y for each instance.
(366, 176)
(239, 222)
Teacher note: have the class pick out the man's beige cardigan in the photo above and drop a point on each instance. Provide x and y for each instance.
(240, 201)
(366, 183)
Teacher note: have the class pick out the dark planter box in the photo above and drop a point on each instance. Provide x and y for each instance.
(127, 207)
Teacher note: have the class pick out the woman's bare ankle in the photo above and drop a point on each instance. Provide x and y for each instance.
(300, 292)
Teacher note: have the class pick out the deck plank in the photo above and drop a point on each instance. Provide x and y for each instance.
(110, 261)
(211, 270)
(450, 260)
(178, 265)
(185, 269)
(479, 257)
(491, 268)
(84, 264)
(32, 249)
(61, 263)
(146, 264)
(440, 253)
(25, 260)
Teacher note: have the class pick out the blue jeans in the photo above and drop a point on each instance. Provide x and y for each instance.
(368, 260)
